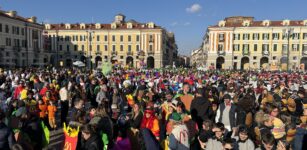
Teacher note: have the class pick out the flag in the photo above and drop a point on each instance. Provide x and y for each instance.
(71, 137)
(130, 100)
(46, 134)
(106, 68)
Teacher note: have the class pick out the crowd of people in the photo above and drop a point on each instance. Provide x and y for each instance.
(170, 109)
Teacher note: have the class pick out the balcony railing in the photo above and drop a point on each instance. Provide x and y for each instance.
(16, 48)
(245, 52)
(129, 53)
(114, 52)
(150, 52)
(304, 52)
(265, 53)
(98, 53)
(221, 52)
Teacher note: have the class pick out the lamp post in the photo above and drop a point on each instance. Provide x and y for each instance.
(288, 32)
(90, 38)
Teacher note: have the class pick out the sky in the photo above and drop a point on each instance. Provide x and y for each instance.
(188, 19)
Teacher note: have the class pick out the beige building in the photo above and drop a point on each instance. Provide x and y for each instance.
(122, 42)
(198, 57)
(21, 41)
(243, 43)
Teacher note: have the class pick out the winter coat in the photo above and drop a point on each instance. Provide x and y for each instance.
(6, 137)
(232, 115)
(199, 109)
(93, 143)
(136, 122)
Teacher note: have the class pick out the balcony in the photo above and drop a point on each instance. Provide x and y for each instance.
(221, 52)
(150, 52)
(114, 53)
(150, 40)
(130, 53)
(245, 52)
(98, 53)
(304, 52)
(16, 48)
(265, 53)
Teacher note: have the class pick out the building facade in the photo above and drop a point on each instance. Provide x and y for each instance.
(198, 57)
(122, 42)
(21, 41)
(243, 43)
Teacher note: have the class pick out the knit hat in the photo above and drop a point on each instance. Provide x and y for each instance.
(279, 128)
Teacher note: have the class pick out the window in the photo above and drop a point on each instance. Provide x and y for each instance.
(106, 47)
(236, 36)
(67, 47)
(284, 47)
(13, 30)
(81, 38)
(66, 38)
(75, 47)
(221, 37)
(105, 38)
(294, 58)
(235, 57)
(98, 38)
(275, 47)
(8, 42)
(0, 27)
(150, 38)
(245, 36)
(245, 47)
(23, 43)
(265, 36)
(256, 36)
(220, 47)
(82, 48)
(274, 57)
(255, 57)
(129, 38)
(137, 47)
(275, 36)
(129, 48)
(91, 48)
(265, 47)
(60, 47)
(105, 57)
(121, 38)
(113, 38)
(17, 30)
(295, 36)
(121, 47)
(113, 47)
(7, 30)
(98, 47)
(255, 47)
(295, 47)
(121, 57)
(305, 47)
(77, 37)
(7, 54)
(73, 38)
(137, 38)
(22, 31)
(236, 47)
(150, 48)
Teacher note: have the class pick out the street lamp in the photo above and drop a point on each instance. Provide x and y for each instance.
(288, 32)
(90, 37)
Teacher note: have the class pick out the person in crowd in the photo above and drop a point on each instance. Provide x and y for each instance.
(6, 134)
(51, 115)
(90, 140)
(199, 107)
(226, 113)
(179, 137)
(216, 142)
(151, 122)
(242, 139)
(64, 102)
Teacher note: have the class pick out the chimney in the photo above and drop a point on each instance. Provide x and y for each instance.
(12, 13)
(32, 19)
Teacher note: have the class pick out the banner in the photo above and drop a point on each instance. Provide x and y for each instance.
(71, 138)
(106, 68)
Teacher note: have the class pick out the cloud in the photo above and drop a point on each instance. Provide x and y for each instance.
(194, 8)
(174, 24)
(187, 24)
